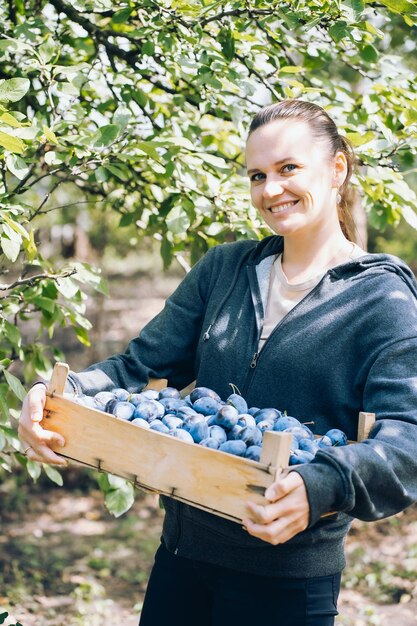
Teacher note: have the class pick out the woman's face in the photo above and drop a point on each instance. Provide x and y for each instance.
(293, 180)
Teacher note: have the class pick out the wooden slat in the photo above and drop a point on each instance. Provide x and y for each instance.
(365, 423)
(209, 479)
(157, 384)
(276, 448)
(58, 379)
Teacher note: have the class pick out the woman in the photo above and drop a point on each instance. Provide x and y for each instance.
(304, 321)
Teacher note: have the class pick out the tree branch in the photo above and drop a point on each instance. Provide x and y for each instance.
(32, 280)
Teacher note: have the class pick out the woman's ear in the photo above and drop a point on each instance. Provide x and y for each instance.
(340, 169)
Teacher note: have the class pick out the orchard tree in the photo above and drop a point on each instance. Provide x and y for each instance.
(140, 110)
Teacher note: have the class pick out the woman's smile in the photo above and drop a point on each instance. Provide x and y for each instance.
(276, 209)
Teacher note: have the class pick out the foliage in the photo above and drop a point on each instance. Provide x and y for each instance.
(140, 108)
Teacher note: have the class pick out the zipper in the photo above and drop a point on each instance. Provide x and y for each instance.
(259, 322)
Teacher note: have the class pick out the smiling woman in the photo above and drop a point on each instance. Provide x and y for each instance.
(299, 169)
(303, 321)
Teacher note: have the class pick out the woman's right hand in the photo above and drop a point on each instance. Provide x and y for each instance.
(35, 440)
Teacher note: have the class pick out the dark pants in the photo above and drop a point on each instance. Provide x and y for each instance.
(182, 592)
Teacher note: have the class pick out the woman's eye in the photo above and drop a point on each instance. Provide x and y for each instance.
(257, 177)
(289, 167)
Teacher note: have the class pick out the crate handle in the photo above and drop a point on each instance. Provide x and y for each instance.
(58, 379)
(275, 453)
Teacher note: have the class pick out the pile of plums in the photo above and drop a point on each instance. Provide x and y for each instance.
(203, 418)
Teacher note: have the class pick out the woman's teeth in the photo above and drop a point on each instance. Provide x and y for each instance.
(282, 207)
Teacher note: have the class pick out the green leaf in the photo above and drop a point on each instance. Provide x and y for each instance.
(4, 410)
(33, 469)
(227, 42)
(359, 139)
(291, 69)
(399, 6)
(13, 89)
(12, 144)
(119, 500)
(369, 54)
(50, 135)
(10, 248)
(148, 48)
(147, 148)
(120, 172)
(121, 117)
(357, 5)
(17, 166)
(339, 31)
(177, 220)
(8, 119)
(44, 304)
(105, 135)
(3, 441)
(15, 385)
(215, 161)
(47, 49)
(53, 475)
(82, 336)
(12, 333)
(122, 16)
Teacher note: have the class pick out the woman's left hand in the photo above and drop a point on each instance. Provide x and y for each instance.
(286, 516)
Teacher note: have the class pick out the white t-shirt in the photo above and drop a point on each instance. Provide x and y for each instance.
(283, 296)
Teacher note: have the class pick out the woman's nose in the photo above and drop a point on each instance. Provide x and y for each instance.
(272, 187)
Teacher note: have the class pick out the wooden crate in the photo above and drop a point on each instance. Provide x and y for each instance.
(208, 479)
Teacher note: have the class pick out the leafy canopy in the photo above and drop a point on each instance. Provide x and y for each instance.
(141, 108)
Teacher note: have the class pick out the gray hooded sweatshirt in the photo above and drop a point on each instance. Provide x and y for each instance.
(350, 345)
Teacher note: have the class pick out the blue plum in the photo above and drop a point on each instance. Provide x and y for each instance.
(324, 442)
(150, 394)
(172, 405)
(206, 405)
(238, 402)
(159, 426)
(199, 431)
(149, 410)
(138, 421)
(102, 397)
(308, 445)
(210, 442)
(184, 411)
(89, 402)
(201, 392)
(253, 452)
(253, 410)
(217, 432)
(285, 422)
(245, 419)
(182, 434)
(123, 410)
(190, 420)
(169, 392)
(299, 457)
(337, 437)
(234, 433)
(237, 447)
(120, 394)
(267, 414)
(172, 421)
(137, 398)
(251, 436)
(265, 425)
(227, 417)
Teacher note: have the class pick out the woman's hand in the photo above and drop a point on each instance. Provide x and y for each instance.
(286, 516)
(35, 440)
